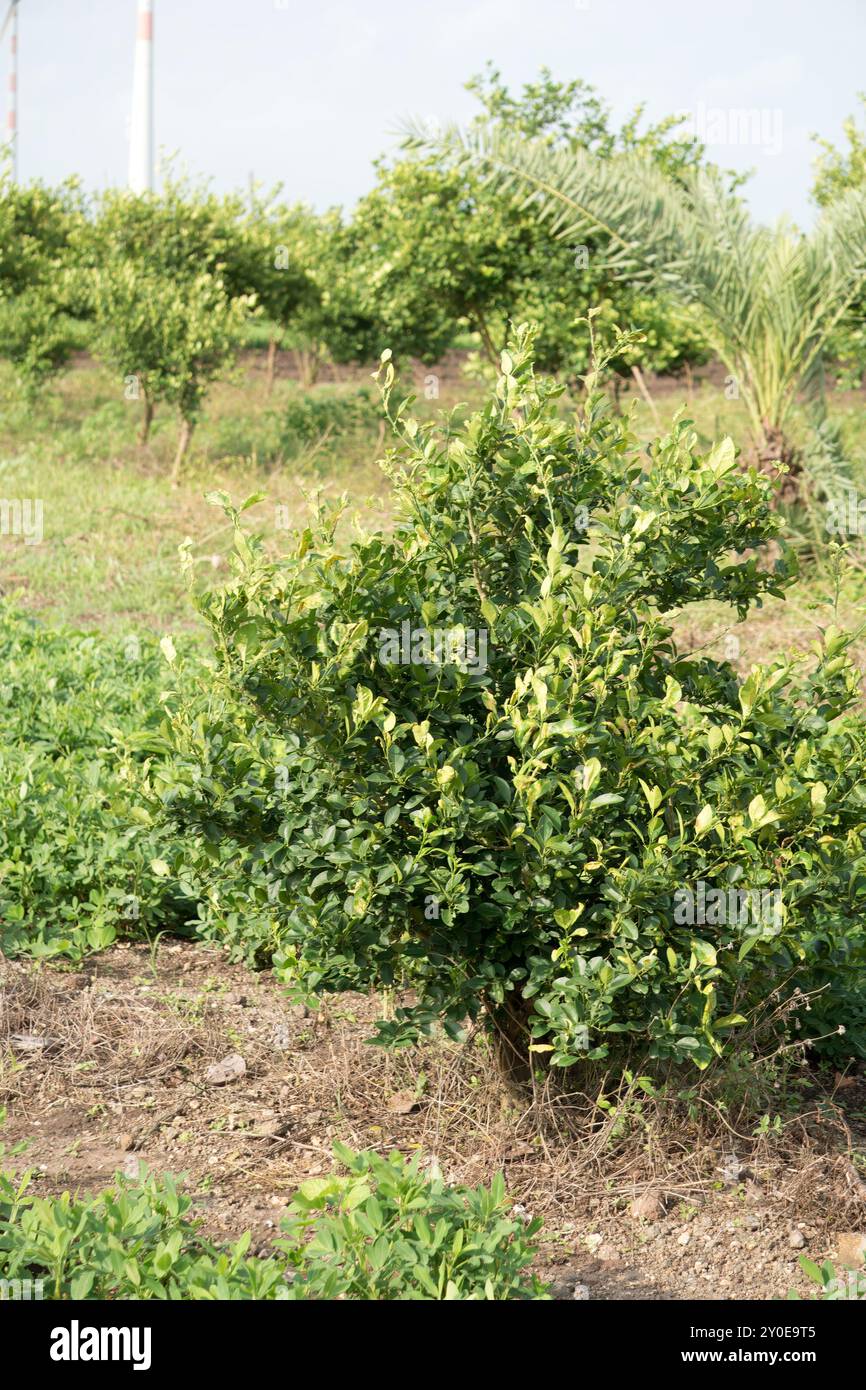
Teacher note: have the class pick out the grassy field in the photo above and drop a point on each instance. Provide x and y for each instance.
(112, 523)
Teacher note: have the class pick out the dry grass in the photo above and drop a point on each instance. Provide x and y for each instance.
(122, 1079)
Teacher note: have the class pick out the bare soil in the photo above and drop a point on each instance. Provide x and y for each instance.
(106, 1068)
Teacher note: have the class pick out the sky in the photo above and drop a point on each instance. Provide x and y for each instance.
(310, 92)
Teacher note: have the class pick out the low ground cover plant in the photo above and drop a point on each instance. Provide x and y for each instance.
(466, 758)
(390, 1229)
(80, 862)
(305, 424)
(832, 1284)
(134, 1240)
(384, 1229)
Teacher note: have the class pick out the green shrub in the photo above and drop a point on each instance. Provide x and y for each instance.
(521, 834)
(306, 417)
(387, 1230)
(35, 338)
(37, 228)
(309, 420)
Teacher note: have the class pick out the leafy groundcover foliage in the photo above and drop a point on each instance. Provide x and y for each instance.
(384, 1230)
(832, 1284)
(390, 1230)
(80, 862)
(466, 758)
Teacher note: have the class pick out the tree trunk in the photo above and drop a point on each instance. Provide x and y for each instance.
(508, 1027)
(186, 428)
(772, 449)
(146, 420)
(271, 365)
(489, 346)
(309, 361)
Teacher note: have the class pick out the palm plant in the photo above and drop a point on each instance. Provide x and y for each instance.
(769, 297)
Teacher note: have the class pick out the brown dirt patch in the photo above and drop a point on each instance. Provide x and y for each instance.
(115, 1074)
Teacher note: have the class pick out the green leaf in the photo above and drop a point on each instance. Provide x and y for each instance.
(704, 820)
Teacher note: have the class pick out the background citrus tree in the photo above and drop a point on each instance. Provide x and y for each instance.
(38, 226)
(168, 281)
(166, 339)
(769, 299)
(441, 254)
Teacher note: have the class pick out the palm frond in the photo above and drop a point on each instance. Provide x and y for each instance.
(769, 297)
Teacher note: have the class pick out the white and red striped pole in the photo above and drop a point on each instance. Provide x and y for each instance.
(12, 110)
(141, 129)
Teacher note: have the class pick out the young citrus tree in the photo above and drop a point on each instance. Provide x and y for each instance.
(169, 337)
(332, 321)
(441, 255)
(38, 227)
(168, 279)
(470, 761)
(179, 232)
(36, 337)
(279, 244)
